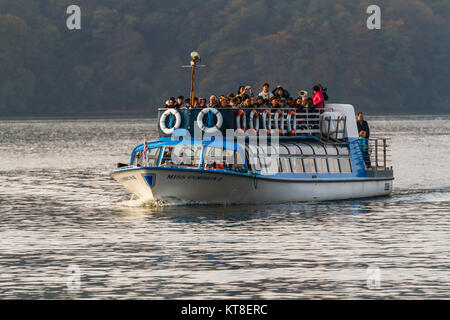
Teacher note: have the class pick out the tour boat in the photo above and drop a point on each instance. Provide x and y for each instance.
(254, 156)
(300, 156)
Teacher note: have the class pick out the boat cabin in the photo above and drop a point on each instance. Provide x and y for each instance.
(289, 157)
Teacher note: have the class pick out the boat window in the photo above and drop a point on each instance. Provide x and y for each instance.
(183, 156)
(285, 165)
(306, 149)
(137, 160)
(256, 164)
(152, 156)
(216, 158)
(189, 156)
(343, 151)
(239, 164)
(309, 165)
(346, 166)
(297, 165)
(331, 150)
(167, 159)
(269, 164)
(322, 165)
(318, 149)
(252, 158)
(270, 151)
(283, 150)
(334, 165)
(293, 149)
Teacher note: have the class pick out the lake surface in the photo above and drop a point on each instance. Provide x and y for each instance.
(69, 231)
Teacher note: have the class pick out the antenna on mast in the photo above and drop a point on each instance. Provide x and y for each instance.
(195, 58)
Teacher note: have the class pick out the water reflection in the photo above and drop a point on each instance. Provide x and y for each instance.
(61, 208)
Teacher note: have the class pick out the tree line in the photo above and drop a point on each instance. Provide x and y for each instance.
(127, 57)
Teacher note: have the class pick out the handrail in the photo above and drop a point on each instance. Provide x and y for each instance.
(379, 153)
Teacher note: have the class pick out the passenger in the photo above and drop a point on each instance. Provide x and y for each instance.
(310, 104)
(187, 103)
(222, 97)
(202, 103)
(298, 102)
(274, 102)
(170, 103)
(213, 102)
(196, 105)
(243, 91)
(317, 97)
(283, 103)
(180, 103)
(290, 102)
(224, 103)
(234, 103)
(279, 92)
(265, 93)
(307, 103)
(324, 92)
(247, 102)
(259, 102)
(364, 145)
(363, 125)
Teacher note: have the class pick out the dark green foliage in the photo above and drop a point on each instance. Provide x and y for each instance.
(127, 58)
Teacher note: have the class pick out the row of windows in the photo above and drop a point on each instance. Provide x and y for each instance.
(301, 149)
(301, 158)
(190, 157)
(302, 165)
(289, 158)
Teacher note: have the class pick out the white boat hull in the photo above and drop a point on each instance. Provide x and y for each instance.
(209, 187)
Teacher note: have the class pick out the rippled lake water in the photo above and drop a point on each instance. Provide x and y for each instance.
(63, 218)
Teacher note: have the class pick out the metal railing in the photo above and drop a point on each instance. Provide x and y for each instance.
(379, 153)
(333, 130)
(304, 123)
(289, 121)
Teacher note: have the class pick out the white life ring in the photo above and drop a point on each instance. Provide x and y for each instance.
(202, 126)
(240, 125)
(254, 115)
(291, 123)
(162, 121)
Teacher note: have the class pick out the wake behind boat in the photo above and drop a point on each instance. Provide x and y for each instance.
(255, 156)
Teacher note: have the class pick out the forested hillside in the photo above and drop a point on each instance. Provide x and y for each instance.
(128, 54)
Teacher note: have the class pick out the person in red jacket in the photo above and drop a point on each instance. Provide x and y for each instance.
(317, 97)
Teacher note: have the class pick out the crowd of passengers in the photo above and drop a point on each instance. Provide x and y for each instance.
(277, 98)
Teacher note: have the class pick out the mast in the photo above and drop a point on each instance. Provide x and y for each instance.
(195, 59)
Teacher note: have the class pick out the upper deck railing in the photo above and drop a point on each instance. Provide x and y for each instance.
(379, 153)
(286, 122)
